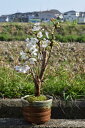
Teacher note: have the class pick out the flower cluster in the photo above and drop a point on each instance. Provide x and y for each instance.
(35, 46)
(23, 69)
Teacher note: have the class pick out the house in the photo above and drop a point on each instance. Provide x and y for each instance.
(47, 15)
(81, 18)
(44, 15)
(19, 17)
(4, 18)
(34, 17)
(71, 16)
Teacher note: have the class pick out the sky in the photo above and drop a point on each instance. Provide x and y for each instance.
(13, 6)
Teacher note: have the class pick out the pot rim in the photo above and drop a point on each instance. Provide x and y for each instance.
(50, 98)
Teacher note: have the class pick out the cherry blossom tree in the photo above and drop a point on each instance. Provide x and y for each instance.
(38, 51)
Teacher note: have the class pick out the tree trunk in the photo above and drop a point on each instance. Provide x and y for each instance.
(37, 82)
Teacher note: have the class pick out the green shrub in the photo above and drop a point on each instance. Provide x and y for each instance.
(72, 38)
(5, 37)
(81, 38)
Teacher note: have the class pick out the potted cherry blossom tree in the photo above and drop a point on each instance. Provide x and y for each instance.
(36, 58)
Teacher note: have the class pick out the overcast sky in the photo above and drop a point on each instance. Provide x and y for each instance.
(13, 6)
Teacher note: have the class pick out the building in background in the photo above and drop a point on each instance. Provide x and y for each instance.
(4, 18)
(31, 16)
(81, 18)
(45, 16)
(71, 16)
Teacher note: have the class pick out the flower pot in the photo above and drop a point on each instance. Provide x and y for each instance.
(37, 112)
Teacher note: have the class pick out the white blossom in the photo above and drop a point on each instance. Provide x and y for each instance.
(47, 34)
(45, 43)
(37, 24)
(34, 52)
(43, 29)
(40, 56)
(17, 68)
(33, 40)
(36, 28)
(23, 55)
(31, 47)
(32, 60)
(39, 35)
(22, 69)
(27, 40)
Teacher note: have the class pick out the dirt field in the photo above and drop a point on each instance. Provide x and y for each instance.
(69, 55)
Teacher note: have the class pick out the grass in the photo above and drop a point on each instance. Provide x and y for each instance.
(68, 32)
(15, 85)
(62, 87)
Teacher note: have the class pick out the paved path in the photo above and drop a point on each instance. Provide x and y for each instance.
(53, 123)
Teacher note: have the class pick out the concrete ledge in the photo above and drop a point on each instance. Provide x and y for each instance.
(64, 115)
(12, 108)
(56, 103)
(59, 123)
(10, 103)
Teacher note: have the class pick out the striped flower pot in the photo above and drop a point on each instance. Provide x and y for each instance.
(37, 112)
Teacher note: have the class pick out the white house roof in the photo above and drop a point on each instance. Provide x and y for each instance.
(70, 12)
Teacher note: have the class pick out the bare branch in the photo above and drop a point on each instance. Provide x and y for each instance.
(44, 61)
